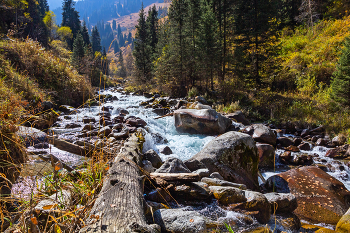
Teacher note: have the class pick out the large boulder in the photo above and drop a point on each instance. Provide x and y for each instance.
(178, 221)
(228, 195)
(153, 157)
(31, 135)
(239, 117)
(261, 133)
(266, 155)
(321, 198)
(234, 155)
(205, 121)
(343, 225)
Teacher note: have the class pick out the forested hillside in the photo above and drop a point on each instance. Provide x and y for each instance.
(276, 60)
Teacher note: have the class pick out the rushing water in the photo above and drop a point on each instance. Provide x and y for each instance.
(184, 146)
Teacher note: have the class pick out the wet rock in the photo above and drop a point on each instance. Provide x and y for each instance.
(41, 123)
(123, 134)
(239, 117)
(305, 133)
(161, 111)
(153, 157)
(87, 120)
(159, 195)
(206, 121)
(257, 202)
(89, 127)
(131, 121)
(282, 202)
(193, 191)
(302, 159)
(181, 103)
(266, 155)
(31, 135)
(261, 133)
(217, 182)
(72, 126)
(304, 146)
(228, 195)
(104, 132)
(216, 175)
(179, 221)
(147, 95)
(147, 166)
(289, 221)
(173, 165)
(200, 99)
(199, 106)
(158, 138)
(66, 109)
(233, 155)
(118, 119)
(292, 148)
(104, 114)
(284, 141)
(337, 153)
(321, 142)
(122, 111)
(166, 150)
(321, 198)
(343, 226)
(204, 172)
(106, 108)
(141, 123)
(117, 126)
(297, 141)
(47, 105)
(275, 184)
(339, 140)
(286, 157)
(42, 145)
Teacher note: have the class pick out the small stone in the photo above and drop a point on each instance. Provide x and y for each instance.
(166, 150)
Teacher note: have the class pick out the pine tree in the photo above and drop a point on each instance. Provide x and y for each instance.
(121, 68)
(70, 18)
(114, 25)
(119, 31)
(142, 51)
(78, 50)
(116, 47)
(95, 40)
(43, 7)
(85, 34)
(152, 28)
(340, 86)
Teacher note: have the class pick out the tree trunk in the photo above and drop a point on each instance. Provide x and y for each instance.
(120, 206)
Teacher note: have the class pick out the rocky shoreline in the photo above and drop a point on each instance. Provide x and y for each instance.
(226, 171)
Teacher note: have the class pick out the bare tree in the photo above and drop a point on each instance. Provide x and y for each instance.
(308, 13)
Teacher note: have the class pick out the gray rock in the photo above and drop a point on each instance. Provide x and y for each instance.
(217, 182)
(153, 157)
(261, 133)
(46, 105)
(180, 104)
(173, 165)
(233, 155)
(284, 141)
(89, 120)
(104, 132)
(120, 135)
(257, 202)
(200, 99)
(147, 166)
(199, 106)
(205, 121)
(31, 135)
(203, 172)
(166, 150)
(266, 155)
(239, 117)
(227, 195)
(179, 221)
(304, 146)
(216, 175)
(89, 127)
(193, 191)
(72, 126)
(339, 140)
(282, 202)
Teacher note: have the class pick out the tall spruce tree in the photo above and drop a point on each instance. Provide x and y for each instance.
(340, 85)
(141, 51)
(116, 47)
(95, 40)
(70, 18)
(152, 28)
(85, 34)
(121, 65)
(78, 50)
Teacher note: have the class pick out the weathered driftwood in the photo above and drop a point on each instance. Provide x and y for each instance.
(54, 159)
(183, 177)
(120, 206)
(86, 150)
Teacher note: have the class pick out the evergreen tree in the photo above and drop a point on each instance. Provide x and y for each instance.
(121, 68)
(340, 86)
(85, 34)
(114, 25)
(142, 51)
(43, 7)
(152, 28)
(70, 18)
(78, 50)
(95, 40)
(119, 31)
(129, 38)
(116, 47)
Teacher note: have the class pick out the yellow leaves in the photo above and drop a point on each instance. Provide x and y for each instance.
(49, 207)
(34, 220)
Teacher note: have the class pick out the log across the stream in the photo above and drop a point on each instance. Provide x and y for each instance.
(120, 206)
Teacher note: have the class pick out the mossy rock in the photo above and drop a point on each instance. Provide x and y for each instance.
(344, 223)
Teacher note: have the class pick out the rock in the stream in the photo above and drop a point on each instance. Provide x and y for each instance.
(203, 172)
(266, 155)
(153, 157)
(321, 198)
(173, 165)
(194, 191)
(123, 134)
(282, 202)
(233, 155)
(205, 121)
(200, 99)
(239, 117)
(217, 182)
(216, 175)
(147, 166)
(257, 202)
(199, 106)
(338, 153)
(284, 141)
(343, 226)
(89, 127)
(179, 221)
(87, 120)
(289, 221)
(261, 133)
(339, 140)
(31, 135)
(72, 125)
(228, 195)
(166, 150)
(304, 146)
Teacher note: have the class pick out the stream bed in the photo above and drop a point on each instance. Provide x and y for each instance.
(160, 133)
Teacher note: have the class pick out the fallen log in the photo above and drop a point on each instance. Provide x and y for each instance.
(169, 114)
(182, 177)
(120, 206)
